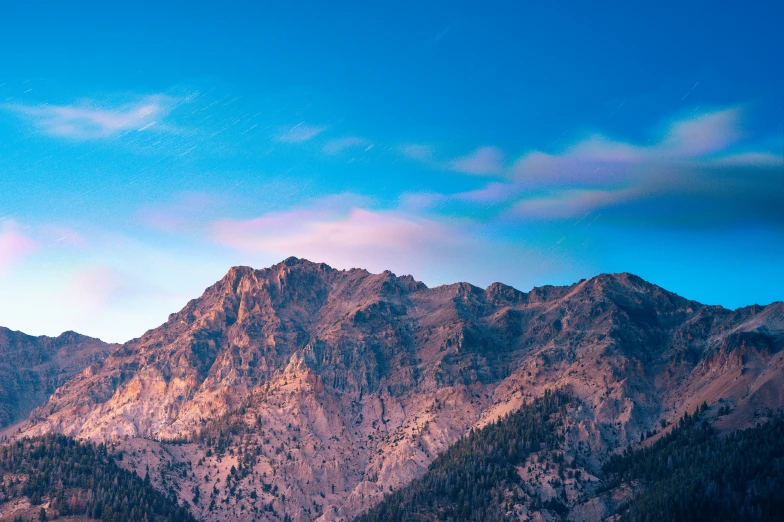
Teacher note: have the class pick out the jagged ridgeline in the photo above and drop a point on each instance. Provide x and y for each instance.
(693, 473)
(79, 479)
(469, 481)
(307, 392)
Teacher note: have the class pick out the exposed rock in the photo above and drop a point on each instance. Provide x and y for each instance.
(344, 384)
(32, 368)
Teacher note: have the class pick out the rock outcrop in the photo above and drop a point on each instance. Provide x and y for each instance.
(32, 368)
(307, 392)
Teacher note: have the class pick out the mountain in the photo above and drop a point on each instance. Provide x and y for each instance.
(303, 392)
(31, 368)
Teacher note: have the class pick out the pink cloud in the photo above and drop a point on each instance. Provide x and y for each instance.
(601, 149)
(14, 247)
(750, 159)
(597, 160)
(65, 236)
(597, 171)
(492, 193)
(704, 134)
(358, 237)
(95, 287)
(483, 161)
(571, 203)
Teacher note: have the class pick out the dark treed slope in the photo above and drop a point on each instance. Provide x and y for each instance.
(469, 481)
(32, 368)
(82, 480)
(693, 473)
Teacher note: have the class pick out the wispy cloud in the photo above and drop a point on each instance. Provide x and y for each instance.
(704, 134)
(418, 152)
(348, 143)
(95, 287)
(357, 237)
(597, 159)
(14, 246)
(483, 161)
(699, 169)
(436, 249)
(92, 120)
(569, 203)
(301, 132)
(185, 213)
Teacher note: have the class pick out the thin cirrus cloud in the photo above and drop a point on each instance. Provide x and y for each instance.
(418, 152)
(184, 214)
(570, 202)
(434, 249)
(92, 120)
(345, 144)
(95, 287)
(347, 238)
(699, 171)
(483, 161)
(301, 132)
(705, 134)
(14, 246)
(598, 160)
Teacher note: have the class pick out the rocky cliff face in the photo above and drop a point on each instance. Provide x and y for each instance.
(32, 368)
(307, 392)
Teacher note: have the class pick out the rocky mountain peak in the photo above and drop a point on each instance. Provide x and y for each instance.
(349, 383)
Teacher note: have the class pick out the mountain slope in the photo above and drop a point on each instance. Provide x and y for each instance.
(32, 368)
(691, 473)
(64, 477)
(325, 389)
(471, 480)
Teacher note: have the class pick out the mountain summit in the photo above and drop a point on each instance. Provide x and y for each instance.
(310, 392)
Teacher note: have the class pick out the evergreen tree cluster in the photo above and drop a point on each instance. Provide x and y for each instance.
(82, 479)
(695, 474)
(467, 482)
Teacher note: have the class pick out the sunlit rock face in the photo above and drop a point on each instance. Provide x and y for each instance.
(325, 389)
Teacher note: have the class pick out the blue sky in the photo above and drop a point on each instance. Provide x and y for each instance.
(146, 148)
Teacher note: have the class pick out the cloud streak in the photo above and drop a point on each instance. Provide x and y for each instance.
(14, 246)
(698, 172)
(355, 237)
(483, 161)
(301, 132)
(91, 120)
(348, 143)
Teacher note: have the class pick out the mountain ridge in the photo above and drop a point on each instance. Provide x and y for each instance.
(32, 367)
(332, 386)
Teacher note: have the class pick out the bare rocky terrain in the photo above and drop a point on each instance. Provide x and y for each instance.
(32, 368)
(300, 392)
